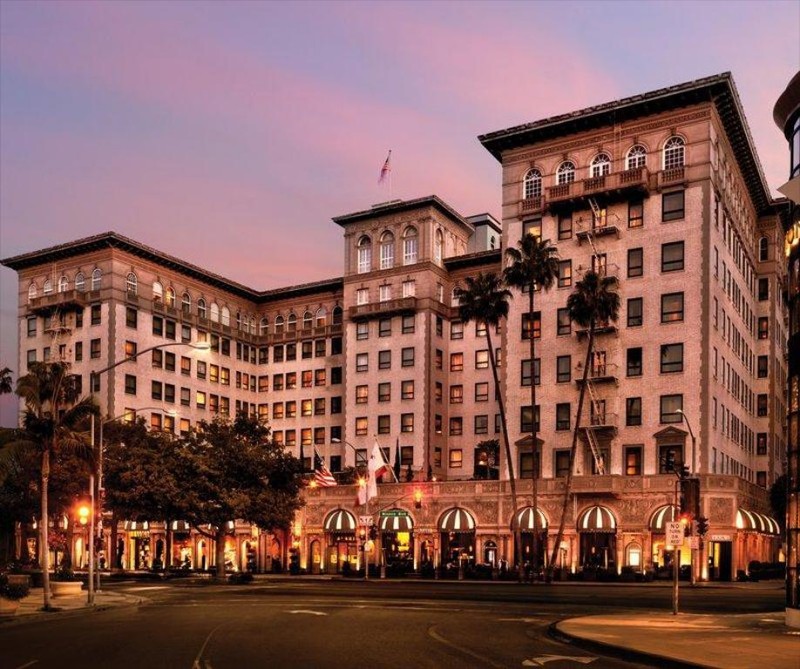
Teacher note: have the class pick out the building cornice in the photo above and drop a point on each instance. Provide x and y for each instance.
(400, 206)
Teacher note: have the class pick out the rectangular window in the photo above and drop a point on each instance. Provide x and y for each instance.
(565, 226)
(362, 362)
(407, 390)
(482, 359)
(384, 424)
(633, 461)
(635, 309)
(562, 416)
(156, 390)
(633, 411)
(563, 322)
(94, 349)
(561, 462)
(362, 426)
(635, 214)
(130, 384)
(481, 425)
(186, 397)
(158, 326)
(169, 393)
(406, 422)
(306, 378)
(565, 274)
(362, 296)
(384, 392)
(186, 366)
(763, 289)
(456, 394)
(291, 350)
(384, 359)
(526, 419)
(96, 314)
(634, 361)
(409, 288)
(670, 405)
(456, 458)
(761, 443)
(384, 293)
(532, 227)
(384, 327)
(169, 361)
(456, 426)
(169, 330)
(635, 262)
(672, 206)
(277, 354)
(291, 380)
(670, 459)
(130, 350)
(78, 351)
(763, 327)
(131, 317)
(564, 369)
(307, 350)
(407, 357)
(362, 394)
(672, 257)
(456, 330)
(482, 392)
(763, 366)
(671, 358)
(672, 307)
(362, 331)
(525, 372)
(532, 324)
(456, 362)
(762, 405)
(409, 325)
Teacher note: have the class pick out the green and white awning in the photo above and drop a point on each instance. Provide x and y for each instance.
(456, 520)
(597, 519)
(663, 515)
(340, 521)
(524, 518)
(396, 520)
(753, 521)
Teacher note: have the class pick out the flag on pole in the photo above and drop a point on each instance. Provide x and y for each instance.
(397, 460)
(322, 476)
(377, 462)
(386, 169)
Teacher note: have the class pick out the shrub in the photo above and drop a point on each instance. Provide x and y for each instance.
(13, 591)
(240, 578)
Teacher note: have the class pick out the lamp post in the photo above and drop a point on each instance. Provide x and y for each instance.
(97, 505)
(692, 471)
(362, 482)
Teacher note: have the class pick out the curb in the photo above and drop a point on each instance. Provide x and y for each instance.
(61, 614)
(619, 652)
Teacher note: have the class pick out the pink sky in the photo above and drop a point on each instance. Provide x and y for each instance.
(230, 134)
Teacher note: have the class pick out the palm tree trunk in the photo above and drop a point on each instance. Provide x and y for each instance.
(534, 474)
(572, 455)
(507, 445)
(220, 550)
(44, 544)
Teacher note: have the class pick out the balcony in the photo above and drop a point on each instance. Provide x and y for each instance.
(68, 300)
(602, 424)
(674, 176)
(616, 185)
(606, 373)
(584, 230)
(606, 327)
(403, 305)
(531, 205)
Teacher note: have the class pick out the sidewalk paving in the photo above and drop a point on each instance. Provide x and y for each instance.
(30, 608)
(740, 641)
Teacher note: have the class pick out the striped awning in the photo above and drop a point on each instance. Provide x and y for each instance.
(525, 519)
(663, 515)
(180, 526)
(340, 521)
(753, 521)
(456, 520)
(597, 519)
(396, 520)
(136, 526)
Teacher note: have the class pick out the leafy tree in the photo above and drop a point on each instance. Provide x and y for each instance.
(236, 472)
(485, 466)
(533, 265)
(485, 301)
(52, 420)
(592, 302)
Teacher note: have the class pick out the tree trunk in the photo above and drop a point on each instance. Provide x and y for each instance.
(220, 551)
(168, 539)
(534, 452)
(572, 454)
(112, 553)
(507, 445)
(44, 544)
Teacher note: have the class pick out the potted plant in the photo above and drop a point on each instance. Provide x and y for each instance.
(65, 583)
(10, 594)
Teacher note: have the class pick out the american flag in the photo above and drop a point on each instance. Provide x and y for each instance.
(386, 169)
(322, 476)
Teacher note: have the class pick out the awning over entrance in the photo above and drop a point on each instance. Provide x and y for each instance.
(396, 520)
(525, 519)
(756, 522)
(663, 515)
(340, 521)
(136, 526)
(597, 519)
(456, 520)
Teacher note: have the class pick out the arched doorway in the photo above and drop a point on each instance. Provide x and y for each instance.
(316, 556)
(530, 523)
(457, 531)
(340, 537)
(138, 544)
(490, 556)
(597, 530)
(397, 541)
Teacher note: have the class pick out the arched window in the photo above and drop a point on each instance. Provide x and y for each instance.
(410, 245)
(80, 282)
(225, 316)
(186, 303)
(201, 308)
(637, 157)
(132, 283)
(438, 246)
(239, 320)
(263, 328)
(674, 152)
(63, 284)
(278, 324)
(48, 287)
(308, 320)
(158, 291)
(32, 292)
(97, 279)
(170, 299)
(291, 323)
(322, 317)
(387, 250)
(565, 174)
(214, 312)
(763, 249)
(337, 315)
(252, 324)
(532, 184)
(364, 254)
(601, 165)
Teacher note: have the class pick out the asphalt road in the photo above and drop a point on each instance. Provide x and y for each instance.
(343, 624)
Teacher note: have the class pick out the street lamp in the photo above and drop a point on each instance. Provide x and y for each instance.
(97, 508)
(692, 579)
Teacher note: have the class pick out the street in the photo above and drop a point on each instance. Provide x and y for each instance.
(315, 623)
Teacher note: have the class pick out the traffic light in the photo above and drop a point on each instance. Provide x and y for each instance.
(686, 521)
(417, 499)
(702, 526)
(690, 497)
(684, 472)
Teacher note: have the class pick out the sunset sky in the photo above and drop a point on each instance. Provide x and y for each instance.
(230, 134)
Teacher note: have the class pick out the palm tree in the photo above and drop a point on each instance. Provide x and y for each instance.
(592, 302)
(6, 386)
(485, 301)
(533, 264)
(51, 420)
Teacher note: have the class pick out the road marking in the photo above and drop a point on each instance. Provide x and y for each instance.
(28, 664)
(309, 612)
(523, 620)
(196, 664)
(147, 587)
(438, 637)
(541, 660)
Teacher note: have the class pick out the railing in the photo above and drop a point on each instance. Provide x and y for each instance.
(400, 305)
(68, 299)
(531, 204)
(672, 176)
(636, 178)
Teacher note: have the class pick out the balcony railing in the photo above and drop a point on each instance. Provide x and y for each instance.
(402, 305)
(606, 327)
(672, 176)
(74, 300)
(531, 205)
(606, 373)
(612, 184)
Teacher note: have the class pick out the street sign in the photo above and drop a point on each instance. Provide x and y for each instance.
(366, 521)
(674, 533)
(394, 513)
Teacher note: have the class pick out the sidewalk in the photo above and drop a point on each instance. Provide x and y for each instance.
(739, 641)
(30, 608)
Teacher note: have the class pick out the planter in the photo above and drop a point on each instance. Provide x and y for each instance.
(65, 588)
(8, 607)
(19, 579)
